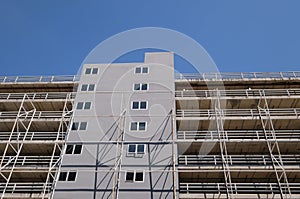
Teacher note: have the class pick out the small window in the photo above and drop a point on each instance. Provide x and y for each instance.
(84, 87)
(63, 176)
(78, 149)
(136, 105)
(141, 70)
(88, 71)
(75, 126)
(144, 87)
(69, 149)
(87, 105)
(83, 105)
(83, 125)
(138, 126)
(142, 126)
(131, 148)
(129, 176)
(140, 148)
(91, 87)
(95, 71)
(145, 70)
(136, 148)
(134, 126)
(140, 87)
(79, 105)
(139, 177)
(134, 176)
(72, 176)
(138, 70)
(74, 149)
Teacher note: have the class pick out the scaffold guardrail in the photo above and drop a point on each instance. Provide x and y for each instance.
(33, 136)
(39, 79)
(25, 161)
(235, 160)
(237, 135)
(245, 75)
(38, 115)
(239, 93)
(237, 112)
(38, 96)
(239, 188)
(23, 187)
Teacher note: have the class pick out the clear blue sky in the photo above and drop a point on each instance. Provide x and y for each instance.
(41, 37)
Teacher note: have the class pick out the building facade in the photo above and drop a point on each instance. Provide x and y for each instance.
(137, 130)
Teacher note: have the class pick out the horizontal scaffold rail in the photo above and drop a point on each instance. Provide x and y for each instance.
(239, 188)
(33, 136)
(236, 160)
(37, 96)
(206, 114)
(238, 135)
(245, 93)
(30, 161)
(38, 115)
(23, 187)
(237, 76)
(42, 79)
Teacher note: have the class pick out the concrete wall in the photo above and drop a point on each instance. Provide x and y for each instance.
(109, 118)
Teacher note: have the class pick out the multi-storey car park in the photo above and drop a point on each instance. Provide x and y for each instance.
(137, 130)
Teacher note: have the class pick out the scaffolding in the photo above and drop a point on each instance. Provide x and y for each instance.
(273, 147)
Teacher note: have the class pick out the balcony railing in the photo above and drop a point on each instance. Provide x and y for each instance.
(247, 75)
(236, 160)
(45, 79)
(238, 135)
(240, 188)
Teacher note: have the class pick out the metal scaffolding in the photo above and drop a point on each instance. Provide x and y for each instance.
(219, 118)
(273, 147)
(22, 124)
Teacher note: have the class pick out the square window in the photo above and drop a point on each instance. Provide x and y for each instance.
(79, 105)
(140, 148)
(62, 176)
(77, 149)
(142, 126)
(131, 148)
(139, 177)
(133, 126)
(88, 71)
(138, 70)
(83, 126)
(95, 71)
(144, 87)
(145, 70)
(72, 176)
(129, 176)
(137, 87)
(84, 87)
(75, 126)
(91, 87)
(69, 149)
(135, 105)
(143, 105)
(87, 105)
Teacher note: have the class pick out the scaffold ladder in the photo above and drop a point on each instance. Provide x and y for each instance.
(219, 116)
(118, 157)
(64, 127)
(273, 146)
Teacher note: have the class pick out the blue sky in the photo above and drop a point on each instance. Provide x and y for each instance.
(52, 37)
